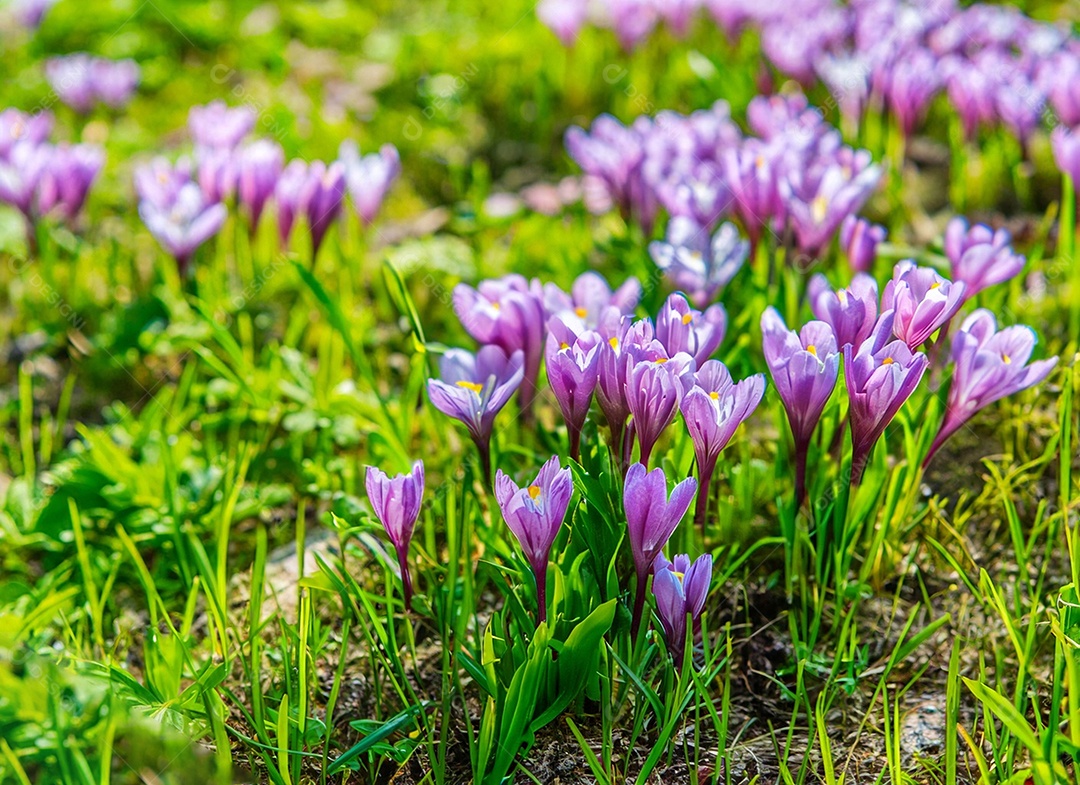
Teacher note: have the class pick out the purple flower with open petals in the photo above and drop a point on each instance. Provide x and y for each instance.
(396, 502)
(16, 127)
(681, 328)
(507, 312)
(184, 223)
(572, 369)
(71, 79)
(20, 176)
(159, 180)
(698, 192)
(258, 167)
(922, 302)
(589, 300)
(618, 355)
(114, 81)
(859, 239)
(369, 177)
(654, 388)
(651, 519)
(913, 80)
(980, 256)
(804, 367)
(696, 264)
(534, 514)
(753, 174)
(474, 389)
(219, 126)
(680, 589)
(851, 311)
(713, 409)
(880, 377)
(989, 365)
(67, 178)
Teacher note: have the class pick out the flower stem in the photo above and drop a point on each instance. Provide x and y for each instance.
(801, 450)
(639, 605)
(575, 442)
(541, 593)
(406, 578)
(483, 446)
(701, 511)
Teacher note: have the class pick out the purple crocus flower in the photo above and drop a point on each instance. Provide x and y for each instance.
(71, 78)
(680, 589)
(160, 180)
(989, 365)
(67, 178)
(980, 257)
(20, 177)
(184, 223)
(880, 376)
(804, 367)
(31, 12)
(697, 192)
(534, 514)
(219, 126)
(617, 357)
(314, 190)
(818, 201)
(16, 127)
(217, 173)
(913, 80)
(922, 301)
(1066, 146)
(851, 312)
(651, 519)
(114, 81)
(713, 409)
(680, 328)
(1063, 85)
(753, 174)
(859, 238)
(572, 369)
(612, 155)
(590, 299)
(474, 389)
(697, 265)
(396, 503)
(565, 18)
(507, 312)
(971, 93)
(369, 177)
(632, 20)
(258, 167)
(654, 388)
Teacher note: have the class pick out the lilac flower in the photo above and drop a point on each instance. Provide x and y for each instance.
(217, 173)
(474, 389)
(71, 79)
(859, 238)
(114, 81)
(698, 192)
(913, 81)
(369, 177)
(16, 127)
(680, 589)
(1063, 86)
(848, 78)
(851, 312)
(989, 365)
(313, 189)
(713, 409)
(1066, 145)
(880, 376)
(20, 176)
(680, 328)
(922, 301)
(804, 367)
(66, 180)
(534, 514)
(572, 369)
(184, 223)
(654, 388)
(651, 519)
(632, 20)
(698, 266)
(613, 371)
(980, 257)
(612, 154)
(752, 173)
(218, 126)
(971, 92)
(820, 199)
(258, 167)
(160, 180)
(396, 503)
(507, 312)
(565, 18)
(589, 300)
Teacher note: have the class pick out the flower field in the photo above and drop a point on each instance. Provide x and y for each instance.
(591, 391)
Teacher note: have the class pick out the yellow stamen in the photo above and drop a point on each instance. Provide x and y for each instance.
(581, 312)
(534, 491)
(614, 342)
(495, 305)
(563, 346)
(1006, 359)
(935, 284)
(17, 130)
(888, 361)
(661, 360)
(679, 575)
(819, 208)
(688, 318)
(841, 295)
(714, 395)
(476, 388)
(812, 349)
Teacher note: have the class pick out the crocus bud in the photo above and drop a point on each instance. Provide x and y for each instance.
(396, 503)
(980, 257)
(880, 376)
(988, 366)
(653, 391)
(851, 312)
(859, 238)
(572, 370)
(258, 167)
(651, 519)
(534, 514)
(680, 589)
(922, 302)
(369, 177)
